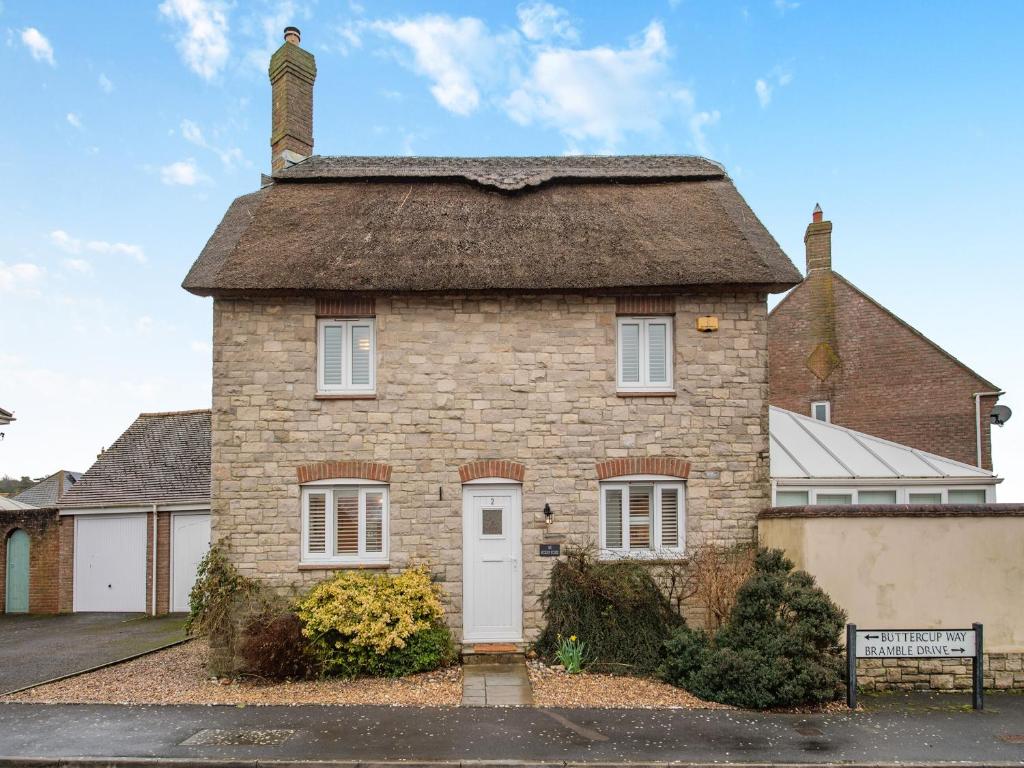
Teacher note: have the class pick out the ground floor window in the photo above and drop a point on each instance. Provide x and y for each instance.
(345, 524)
(643, 518)
(798, 497)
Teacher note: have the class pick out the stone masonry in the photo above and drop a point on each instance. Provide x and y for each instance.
(512, 378)
(1003, 671)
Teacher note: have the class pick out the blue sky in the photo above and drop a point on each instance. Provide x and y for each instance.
(129, 127)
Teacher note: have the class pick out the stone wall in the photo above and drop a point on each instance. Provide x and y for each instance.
(528, 379)
(1003, 671)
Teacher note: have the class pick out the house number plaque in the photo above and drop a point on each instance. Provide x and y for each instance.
(550, 550)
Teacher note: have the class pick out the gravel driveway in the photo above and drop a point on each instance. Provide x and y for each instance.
(34, 649)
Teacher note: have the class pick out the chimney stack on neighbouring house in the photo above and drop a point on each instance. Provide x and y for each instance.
(292, 73)
(818, 242)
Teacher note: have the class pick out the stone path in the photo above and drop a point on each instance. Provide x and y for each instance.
(496, 685)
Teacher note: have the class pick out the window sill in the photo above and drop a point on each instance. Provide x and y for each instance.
(345, 396)
(648, 556)
(645, 393)
(344, 566)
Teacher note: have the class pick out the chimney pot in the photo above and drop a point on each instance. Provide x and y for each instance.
(292, 35)
(818, 242)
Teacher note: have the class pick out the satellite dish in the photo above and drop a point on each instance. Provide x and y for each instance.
(1000, 415)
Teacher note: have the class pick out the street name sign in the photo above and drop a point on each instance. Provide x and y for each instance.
(916, 643)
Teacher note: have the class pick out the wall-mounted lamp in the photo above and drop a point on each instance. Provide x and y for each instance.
(548, 514)
(707, 324)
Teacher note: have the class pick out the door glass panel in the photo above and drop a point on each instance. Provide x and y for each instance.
(491, 522)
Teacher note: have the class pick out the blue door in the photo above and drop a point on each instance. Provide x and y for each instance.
(17, 572)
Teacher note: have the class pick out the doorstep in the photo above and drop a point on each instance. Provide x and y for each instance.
(496, 685)
(493, 653)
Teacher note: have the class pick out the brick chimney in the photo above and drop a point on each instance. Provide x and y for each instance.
(818, 242)
(292, 72)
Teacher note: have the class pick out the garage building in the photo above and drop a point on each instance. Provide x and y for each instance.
(142, 509)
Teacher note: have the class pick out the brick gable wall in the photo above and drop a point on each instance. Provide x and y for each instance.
(528, 380)
(890, 382)
(43, 529)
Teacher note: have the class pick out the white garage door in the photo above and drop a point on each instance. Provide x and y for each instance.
(110, 563)
(190, 539)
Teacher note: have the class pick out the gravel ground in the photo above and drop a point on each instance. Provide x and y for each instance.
(177, 676)
(557, 688)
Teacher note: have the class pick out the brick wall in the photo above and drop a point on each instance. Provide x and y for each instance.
(890, 382)
(42, 527)
(461, 379)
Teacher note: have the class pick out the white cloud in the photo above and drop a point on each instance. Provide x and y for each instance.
(765, 87)
(192, 133)
(269, 28)
(202, 347)
(698, 123)
(600, 94)
(18, 277)
(543, 21)
(38, 45)
(203, 43)
(106, 85)
(75, 246)
(459, 55)
(74, 120)
(182, 173)
(786, 5)
(78, 265)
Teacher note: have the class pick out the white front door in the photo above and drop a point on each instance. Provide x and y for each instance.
(190, 540)
(110, 563)
(492, 526)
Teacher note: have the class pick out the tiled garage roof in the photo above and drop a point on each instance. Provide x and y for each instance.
(161, 457)
(47, 492)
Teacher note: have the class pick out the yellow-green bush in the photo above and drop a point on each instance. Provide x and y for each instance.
(359, 623)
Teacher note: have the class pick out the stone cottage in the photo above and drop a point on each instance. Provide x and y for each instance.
(470, 362)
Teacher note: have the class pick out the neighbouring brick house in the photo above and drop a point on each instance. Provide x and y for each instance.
(29, 556)
(838, 355)
(458, 360)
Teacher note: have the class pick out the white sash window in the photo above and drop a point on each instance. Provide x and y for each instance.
(346, 356)
(644, 354)
(345, 524)
(643, 518)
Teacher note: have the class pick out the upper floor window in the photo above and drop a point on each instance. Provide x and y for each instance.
(822, 410)
(644, 354)
(346, 356)
(643, 518)
(345, 524)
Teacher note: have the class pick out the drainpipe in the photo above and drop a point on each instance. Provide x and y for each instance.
(156, 528)
(977, 416)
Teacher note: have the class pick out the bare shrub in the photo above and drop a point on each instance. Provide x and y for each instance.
(710, 576)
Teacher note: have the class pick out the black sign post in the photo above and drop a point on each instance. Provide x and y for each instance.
(916, 644)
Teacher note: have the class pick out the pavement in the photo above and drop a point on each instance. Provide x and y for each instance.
(34, 649)
(496, 685)
(921, 731)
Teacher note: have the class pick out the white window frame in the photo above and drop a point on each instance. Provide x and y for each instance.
(828, 410)
(346, 387)
(645, 384)
(902, 491)
(363, 557)
(659, 551)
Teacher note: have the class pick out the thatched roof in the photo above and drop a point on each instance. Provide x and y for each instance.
(520, 224)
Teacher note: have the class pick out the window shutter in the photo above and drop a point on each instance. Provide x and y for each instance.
(361, 345)
(629, 349)
(334, 340)
(316, 523)
(657, 366)
(670, 517)
(612, 518)
(374, 522)
(346, 521)
(640, 518)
